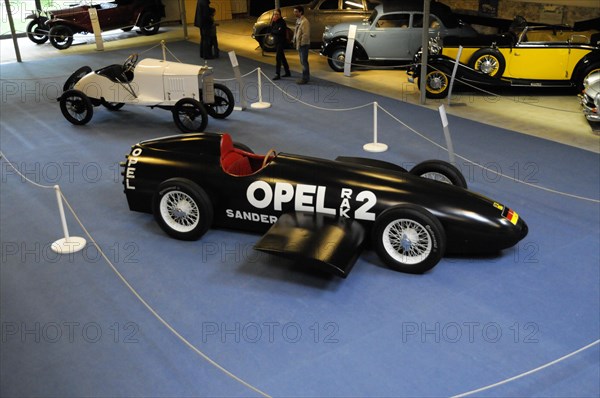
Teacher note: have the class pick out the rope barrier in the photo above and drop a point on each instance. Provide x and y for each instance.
(137, 295)
(167, 325)
(528, 372)
(314, 106)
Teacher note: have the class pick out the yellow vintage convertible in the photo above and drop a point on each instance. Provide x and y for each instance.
(535, 56)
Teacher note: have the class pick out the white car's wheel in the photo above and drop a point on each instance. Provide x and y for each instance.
(409, 239)
(182, 209)
(190, 116)
(76, 107)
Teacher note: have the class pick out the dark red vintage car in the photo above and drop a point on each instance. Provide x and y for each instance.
(60, 25)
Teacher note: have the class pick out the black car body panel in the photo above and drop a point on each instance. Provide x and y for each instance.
(351, 189)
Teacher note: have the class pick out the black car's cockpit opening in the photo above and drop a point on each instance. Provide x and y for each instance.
(237, 162)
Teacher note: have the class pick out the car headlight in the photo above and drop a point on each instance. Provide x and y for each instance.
(435, 45)
(327, 34)
(597, 101)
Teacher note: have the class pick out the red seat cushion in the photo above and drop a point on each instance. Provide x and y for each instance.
(232, 161)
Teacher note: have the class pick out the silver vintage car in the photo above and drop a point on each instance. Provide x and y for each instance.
(320, 13)
(590, 97)
(393, 32)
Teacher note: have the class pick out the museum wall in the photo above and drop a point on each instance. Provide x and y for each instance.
(548, 11)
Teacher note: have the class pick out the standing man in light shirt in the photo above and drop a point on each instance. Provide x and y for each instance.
(302, 42)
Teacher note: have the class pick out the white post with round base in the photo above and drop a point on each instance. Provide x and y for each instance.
(68, 244)
(260, 104)
(375, 146)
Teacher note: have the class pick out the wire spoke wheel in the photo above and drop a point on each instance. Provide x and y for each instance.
(487, 64)
(408, 238)
(440, 171)
(224, 102)
(437, 82)
(179, 211)
(437, 177)
(190, 115)
(407, 241)
(76, 107)
(182, 209)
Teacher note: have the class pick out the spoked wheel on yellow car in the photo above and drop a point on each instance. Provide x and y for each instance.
(489, 61)
(437, 84)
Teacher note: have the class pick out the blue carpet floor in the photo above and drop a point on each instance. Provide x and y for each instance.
(71, 328)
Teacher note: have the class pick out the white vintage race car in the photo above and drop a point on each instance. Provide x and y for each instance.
(187, 90)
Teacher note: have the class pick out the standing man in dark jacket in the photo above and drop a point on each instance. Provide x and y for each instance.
(279, 30)
(203, 21)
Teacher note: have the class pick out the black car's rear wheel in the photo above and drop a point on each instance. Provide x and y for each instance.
(37, 31)
(224, 102)
(190, 116)
(76, 107)
(441, 171)
(149, 23)
(61, 36)
(182, 209)
(409, 239)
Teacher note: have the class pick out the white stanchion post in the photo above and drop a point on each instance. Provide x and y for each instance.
(449, 145)
(349, 50)
(260, 104)
(164, 50)
(96, 28)
(238, 77)
(460, 48)
(68, 244)
(375, 146)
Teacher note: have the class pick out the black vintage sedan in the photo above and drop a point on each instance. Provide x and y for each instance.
(320, 212)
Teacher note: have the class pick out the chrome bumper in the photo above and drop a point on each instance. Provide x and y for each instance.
(590, 112)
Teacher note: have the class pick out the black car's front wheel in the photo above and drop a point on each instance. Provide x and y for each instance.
(409, 239)
(182, 209)
(61, 36)
(440, 171)
(76, 107)
(190, 116)
(37, 31)
(437, 84)
(337, 58)
(149, 23)
(267, 40)
(224, 102)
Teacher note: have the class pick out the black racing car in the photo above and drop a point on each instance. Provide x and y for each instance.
(319, 211)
